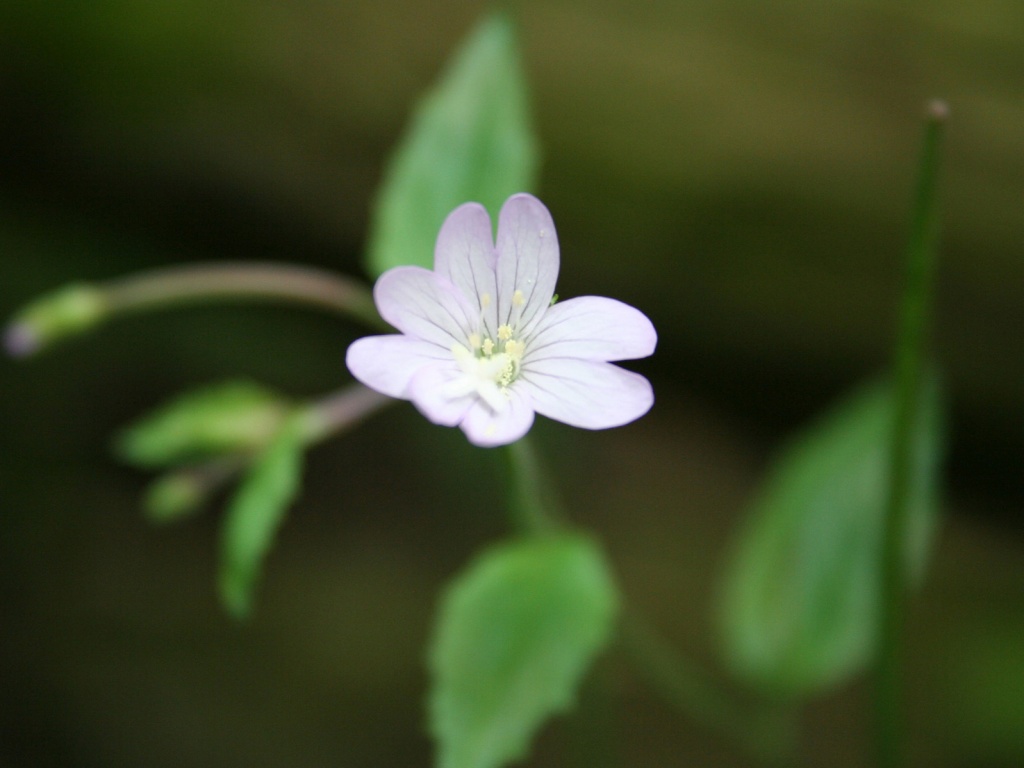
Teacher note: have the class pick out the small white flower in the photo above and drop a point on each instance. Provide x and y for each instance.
(483, 347)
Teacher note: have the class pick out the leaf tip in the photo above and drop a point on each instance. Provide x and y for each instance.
(235, 596)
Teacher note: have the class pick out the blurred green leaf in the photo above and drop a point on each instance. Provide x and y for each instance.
(232, 417)
(800, 604)
(470, 139)
(256, 513)
(516, 634)
(183, 492)
(172, 497)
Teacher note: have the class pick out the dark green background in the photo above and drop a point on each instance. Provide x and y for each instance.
(740, 171)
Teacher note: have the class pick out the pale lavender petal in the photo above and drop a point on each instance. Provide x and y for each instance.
(440, 393)
(527, 262)
(487, 428)
(465, 254)
(424, 305)
(592, 328)
(388, 363)
(585, 393)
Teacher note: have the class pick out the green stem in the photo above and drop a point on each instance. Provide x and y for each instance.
(248, 281)
(915, 314)
(341, 410)
(75, 309)
(533, 505)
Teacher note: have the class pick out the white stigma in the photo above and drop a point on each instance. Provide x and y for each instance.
(487, 377)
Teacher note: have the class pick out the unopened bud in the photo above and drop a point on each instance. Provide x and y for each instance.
(69, 311)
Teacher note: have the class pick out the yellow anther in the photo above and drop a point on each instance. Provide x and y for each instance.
(513, 348)
(518, 299)
(474, 341)
(504, 332)
(485, 300)
(508, 373)
(488, 347)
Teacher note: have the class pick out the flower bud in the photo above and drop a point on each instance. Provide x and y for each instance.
(66, 312)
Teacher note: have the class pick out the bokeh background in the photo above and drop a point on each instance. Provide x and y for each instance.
(740, 171)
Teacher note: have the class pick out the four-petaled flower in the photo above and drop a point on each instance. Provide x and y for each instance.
(483, 345)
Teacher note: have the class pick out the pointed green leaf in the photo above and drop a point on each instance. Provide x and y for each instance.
(516, 634)
(231, 417)
(800, 604)
(470, 139)
(256, 513)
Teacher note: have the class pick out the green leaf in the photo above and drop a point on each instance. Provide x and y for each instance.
(256, 513)
(173, 497)
(231, 417)
(516, 634)
(800, 604)
(183, 492)
(470, 139)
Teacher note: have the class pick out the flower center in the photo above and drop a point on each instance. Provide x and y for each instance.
(497, 361)
(489, 365)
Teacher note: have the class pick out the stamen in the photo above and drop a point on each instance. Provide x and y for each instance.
(485, 300)
(474, 341)
(508, 374)
(518, 299)
(504, 332)
(488, 347)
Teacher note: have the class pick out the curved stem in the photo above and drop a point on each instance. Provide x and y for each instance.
(914, 317)
(259, 281)
(75, 309)
(340, 410)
